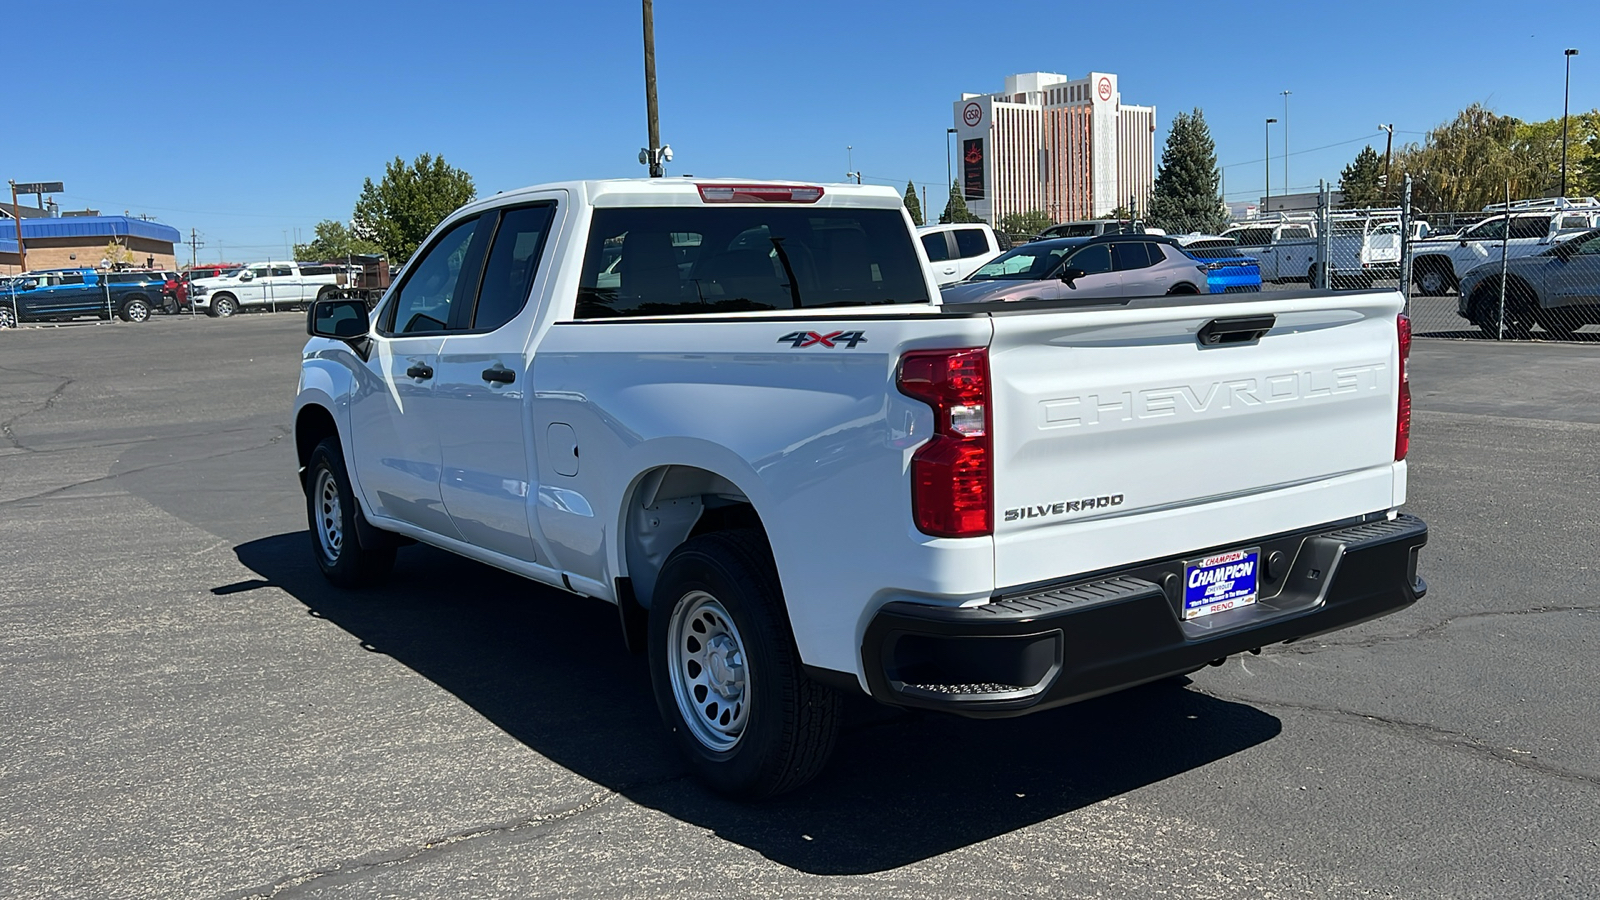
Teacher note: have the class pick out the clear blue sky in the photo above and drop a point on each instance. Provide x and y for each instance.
(250, 120)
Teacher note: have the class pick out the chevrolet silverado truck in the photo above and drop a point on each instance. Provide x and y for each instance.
(740, 413)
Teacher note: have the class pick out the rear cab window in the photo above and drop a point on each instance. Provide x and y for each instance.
(970, 242)
(683, 260)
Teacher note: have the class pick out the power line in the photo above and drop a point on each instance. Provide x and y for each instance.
(1257, 162)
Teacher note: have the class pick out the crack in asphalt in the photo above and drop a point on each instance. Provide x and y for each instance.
(5, 427)
(1425, 733)
(129, 442)
(391, 859)
(46, 495)
(1377, 640)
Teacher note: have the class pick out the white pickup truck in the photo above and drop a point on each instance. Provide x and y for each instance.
(266, 285)
(739, 413)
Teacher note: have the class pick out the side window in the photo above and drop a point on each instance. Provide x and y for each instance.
(1252, 237)
(1590, 246)
(1157, 254)
(1492, 230)
(434, 281)
(1295, 233)
(281, 271)
(1530, 227)
(513, 261)
(1093, 259)
(1131, 255)
(971, 242)
(938, 249)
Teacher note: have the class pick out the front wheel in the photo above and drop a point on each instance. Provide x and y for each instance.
(726, 673)
(335, 523)
(224, 306)
(134, 309)
(1432, 281)
(8, 317)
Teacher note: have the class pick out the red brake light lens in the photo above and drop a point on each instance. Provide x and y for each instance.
(952, 481)
(1402, 425)
(758, 193)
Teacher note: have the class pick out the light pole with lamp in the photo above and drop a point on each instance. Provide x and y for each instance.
(1266, 166)
(1566, 99)
(1286, 141)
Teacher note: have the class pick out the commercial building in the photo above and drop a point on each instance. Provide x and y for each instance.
(72, 241)
(1068, 147)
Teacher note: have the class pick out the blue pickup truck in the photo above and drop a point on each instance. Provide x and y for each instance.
(63, 294)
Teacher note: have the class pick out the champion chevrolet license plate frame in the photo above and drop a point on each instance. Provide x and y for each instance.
(1216, 583)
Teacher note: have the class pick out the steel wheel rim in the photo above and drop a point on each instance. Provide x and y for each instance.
(138, 312)
(1432, 282)
(7, 319)
(329, 515)
(709, 670)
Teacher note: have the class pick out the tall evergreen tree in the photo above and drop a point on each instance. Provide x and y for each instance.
(1185, 196)
(956, 209)
(913, 205)
(1359, 182)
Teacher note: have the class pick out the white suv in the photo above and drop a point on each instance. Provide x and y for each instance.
(956, 251)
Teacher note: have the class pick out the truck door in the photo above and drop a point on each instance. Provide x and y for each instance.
(251, 289)
(394, 416)
(283, 286)
(482, 386)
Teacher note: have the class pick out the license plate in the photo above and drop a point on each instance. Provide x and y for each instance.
(1222, 582)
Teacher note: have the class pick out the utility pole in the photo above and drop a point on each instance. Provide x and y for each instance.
(1566, 99)
(1388, 148)
(194, 248)
(1286, 142)
(657, 170)
(16, 217)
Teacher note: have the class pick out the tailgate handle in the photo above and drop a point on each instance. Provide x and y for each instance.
(1237, 330)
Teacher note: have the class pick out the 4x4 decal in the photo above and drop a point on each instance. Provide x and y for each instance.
(798, 339)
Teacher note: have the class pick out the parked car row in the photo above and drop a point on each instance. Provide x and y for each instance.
(1557, 289)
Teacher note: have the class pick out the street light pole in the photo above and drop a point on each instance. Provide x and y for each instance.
(1388, 147)
(1266, 167)
(1285, 142)
(1566, 99)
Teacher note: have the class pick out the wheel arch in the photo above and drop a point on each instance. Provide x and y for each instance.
(666, 505)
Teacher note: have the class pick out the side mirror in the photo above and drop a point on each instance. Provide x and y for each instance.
(247, 275)
(1071, 274)
(340, 319)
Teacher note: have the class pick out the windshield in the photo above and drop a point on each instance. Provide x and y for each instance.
(1030, 262)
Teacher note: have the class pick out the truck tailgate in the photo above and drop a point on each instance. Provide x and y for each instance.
(1119, 436)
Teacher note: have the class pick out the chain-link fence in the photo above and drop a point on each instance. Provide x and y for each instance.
(1514, 271)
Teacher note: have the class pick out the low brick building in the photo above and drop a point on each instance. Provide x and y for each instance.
(66, 242)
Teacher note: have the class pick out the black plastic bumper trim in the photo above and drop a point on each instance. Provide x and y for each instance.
(1124, 628)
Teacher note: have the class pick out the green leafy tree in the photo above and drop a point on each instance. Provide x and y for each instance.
(1185, 196)
(1360, 181)
(913, 205)
(1021, 226)
(334, 241)
(400, 210)
(1585, 173)
(956, 209)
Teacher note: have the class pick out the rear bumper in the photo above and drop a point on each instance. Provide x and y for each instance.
(1048, 646)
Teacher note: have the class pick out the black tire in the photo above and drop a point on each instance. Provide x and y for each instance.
(335, 523)
(8, 317)
(134, 309)
(1431, 279)
(327, 292)
(790, 723)
(1485, 310)
(1182, 287)
(223, 306)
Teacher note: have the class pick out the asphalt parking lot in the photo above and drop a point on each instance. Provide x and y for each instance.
(192, 712)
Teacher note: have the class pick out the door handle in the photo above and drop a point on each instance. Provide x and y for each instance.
(420, 370)
(499, 375)
(1236, 330)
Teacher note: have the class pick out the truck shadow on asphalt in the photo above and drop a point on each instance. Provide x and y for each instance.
(550, 670)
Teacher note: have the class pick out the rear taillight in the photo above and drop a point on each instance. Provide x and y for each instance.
(1402, 425)
(758, 193)
(952, 475)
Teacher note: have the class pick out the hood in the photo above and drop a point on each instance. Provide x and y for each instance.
(984, 291)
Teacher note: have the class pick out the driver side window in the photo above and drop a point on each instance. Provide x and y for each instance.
(432, 283)
(1093, 259)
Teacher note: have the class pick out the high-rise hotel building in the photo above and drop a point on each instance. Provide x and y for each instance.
(1066, 146)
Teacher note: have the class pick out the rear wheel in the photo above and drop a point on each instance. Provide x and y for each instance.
(1183, 287)
(336, 524)
(1485, 309)
(134, 309)
(8, 318)
(726, 673)
(1432, 280)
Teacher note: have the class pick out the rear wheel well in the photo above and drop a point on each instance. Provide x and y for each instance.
(668, 506)
(312, 426)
